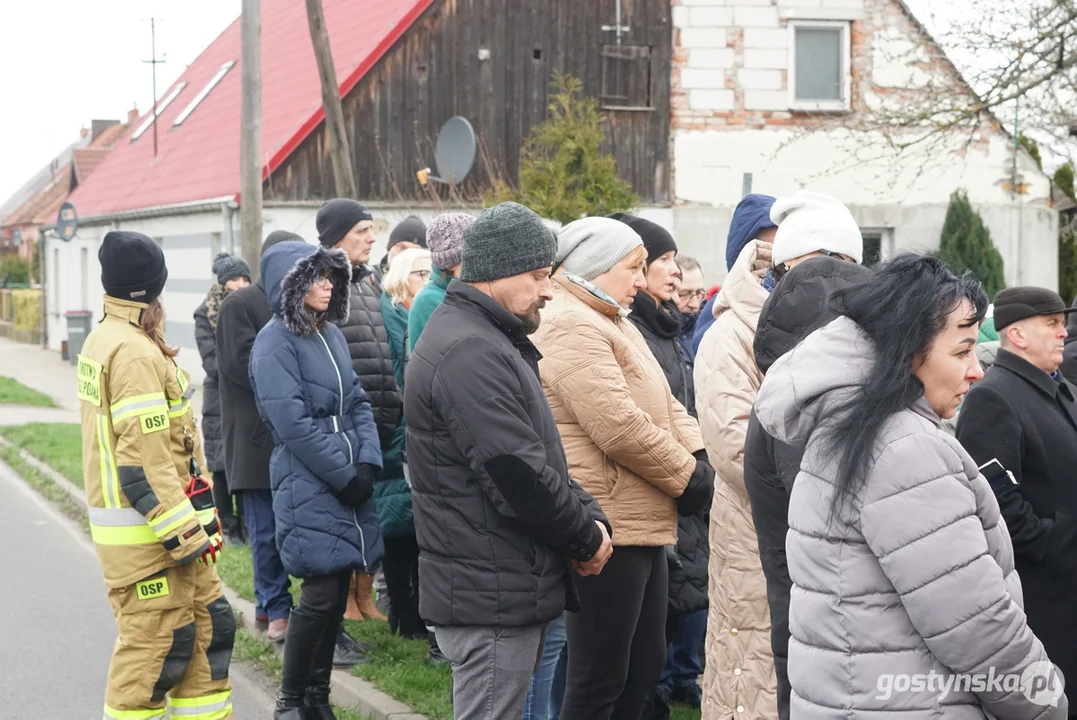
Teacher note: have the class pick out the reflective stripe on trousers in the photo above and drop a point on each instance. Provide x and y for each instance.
(217, 706)
(111, 714)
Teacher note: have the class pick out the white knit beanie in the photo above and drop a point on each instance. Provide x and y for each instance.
(809, 222)
(593, 245)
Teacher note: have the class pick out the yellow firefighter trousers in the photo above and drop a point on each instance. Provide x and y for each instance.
(175, 646)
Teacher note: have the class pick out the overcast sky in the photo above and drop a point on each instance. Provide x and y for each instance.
(66, 62)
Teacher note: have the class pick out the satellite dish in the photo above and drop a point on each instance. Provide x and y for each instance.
(67, 222)
(454, 153)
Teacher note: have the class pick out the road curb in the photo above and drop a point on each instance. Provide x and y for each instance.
(348, 691)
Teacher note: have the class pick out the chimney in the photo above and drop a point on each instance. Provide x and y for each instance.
(132, 115)
(99, 126)
(84, 131)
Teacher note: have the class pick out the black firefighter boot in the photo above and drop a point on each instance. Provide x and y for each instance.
(321, 672)
(305, 633)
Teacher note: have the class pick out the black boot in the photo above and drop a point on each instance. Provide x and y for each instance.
(305, 633)
(318, 686)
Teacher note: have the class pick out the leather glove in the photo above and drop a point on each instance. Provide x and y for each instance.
(361, 487)
(697, 496)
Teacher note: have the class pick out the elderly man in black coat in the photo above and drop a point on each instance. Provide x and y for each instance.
(1024, 414)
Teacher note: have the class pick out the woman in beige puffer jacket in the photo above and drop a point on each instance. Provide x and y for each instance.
(633, 447)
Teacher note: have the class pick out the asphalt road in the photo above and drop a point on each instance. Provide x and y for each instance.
(56, 628)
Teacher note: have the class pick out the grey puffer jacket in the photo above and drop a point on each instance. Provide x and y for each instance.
(915, 576)
(372, 357)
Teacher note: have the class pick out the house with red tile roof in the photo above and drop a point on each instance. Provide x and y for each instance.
(37, 203)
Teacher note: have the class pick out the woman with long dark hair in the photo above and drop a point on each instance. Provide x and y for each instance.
(326, 460)
(902, 569)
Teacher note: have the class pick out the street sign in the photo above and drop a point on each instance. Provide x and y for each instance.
(67, 222)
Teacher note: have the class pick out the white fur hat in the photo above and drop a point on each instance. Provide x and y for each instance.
(809, 222)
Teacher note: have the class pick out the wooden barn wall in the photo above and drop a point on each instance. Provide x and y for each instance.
(433, 72)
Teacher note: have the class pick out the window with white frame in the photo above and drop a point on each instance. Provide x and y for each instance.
(819, 55)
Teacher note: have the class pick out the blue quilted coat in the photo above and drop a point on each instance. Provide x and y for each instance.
(322, 425)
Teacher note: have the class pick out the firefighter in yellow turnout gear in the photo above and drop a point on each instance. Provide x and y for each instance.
(151, 516)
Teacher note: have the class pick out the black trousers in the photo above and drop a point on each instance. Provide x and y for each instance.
(617, 642)
(401, 568)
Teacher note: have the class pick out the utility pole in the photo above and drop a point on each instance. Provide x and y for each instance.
(250, 140)
(339, 151)
(153, 62)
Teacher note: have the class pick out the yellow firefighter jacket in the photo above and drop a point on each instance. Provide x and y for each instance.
(138, 437)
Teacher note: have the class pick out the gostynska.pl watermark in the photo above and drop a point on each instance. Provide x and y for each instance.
(1041, 682)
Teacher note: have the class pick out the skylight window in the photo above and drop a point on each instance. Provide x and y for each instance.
(160, 109)
(204, 92)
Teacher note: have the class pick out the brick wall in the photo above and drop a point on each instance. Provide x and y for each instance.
(731, 60)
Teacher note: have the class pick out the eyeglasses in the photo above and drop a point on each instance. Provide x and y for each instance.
(323, 282)
(424, 274)
(780, 270)
(692, 294)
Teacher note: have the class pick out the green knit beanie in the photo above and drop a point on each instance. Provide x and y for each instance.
(505, 240)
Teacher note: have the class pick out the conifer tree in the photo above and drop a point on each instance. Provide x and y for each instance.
(966, 244)
(563, 173)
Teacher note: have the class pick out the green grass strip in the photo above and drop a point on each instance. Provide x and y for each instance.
(13, 392)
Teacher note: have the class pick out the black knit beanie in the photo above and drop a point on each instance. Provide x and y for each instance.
(337, 217)
(410, 229)
(132, 266)
(229, 267)
(656, 238)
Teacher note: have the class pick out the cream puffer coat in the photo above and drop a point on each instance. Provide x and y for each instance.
(629, 442)
(739, 680)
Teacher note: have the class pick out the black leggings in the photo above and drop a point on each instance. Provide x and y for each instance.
(326, 596)
(617, 642)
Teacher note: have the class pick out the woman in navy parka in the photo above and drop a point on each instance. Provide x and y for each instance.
(326, 459)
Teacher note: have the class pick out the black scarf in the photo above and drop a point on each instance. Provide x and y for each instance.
(664, 320)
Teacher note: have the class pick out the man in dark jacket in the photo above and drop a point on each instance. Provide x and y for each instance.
(232, 273)
(347, 225)
(1023, 414)
(247, 446)
(690, 297)
(796, 308)
(498, 519)
(1069, 356)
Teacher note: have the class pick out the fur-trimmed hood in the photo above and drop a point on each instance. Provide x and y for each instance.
(289, 270)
